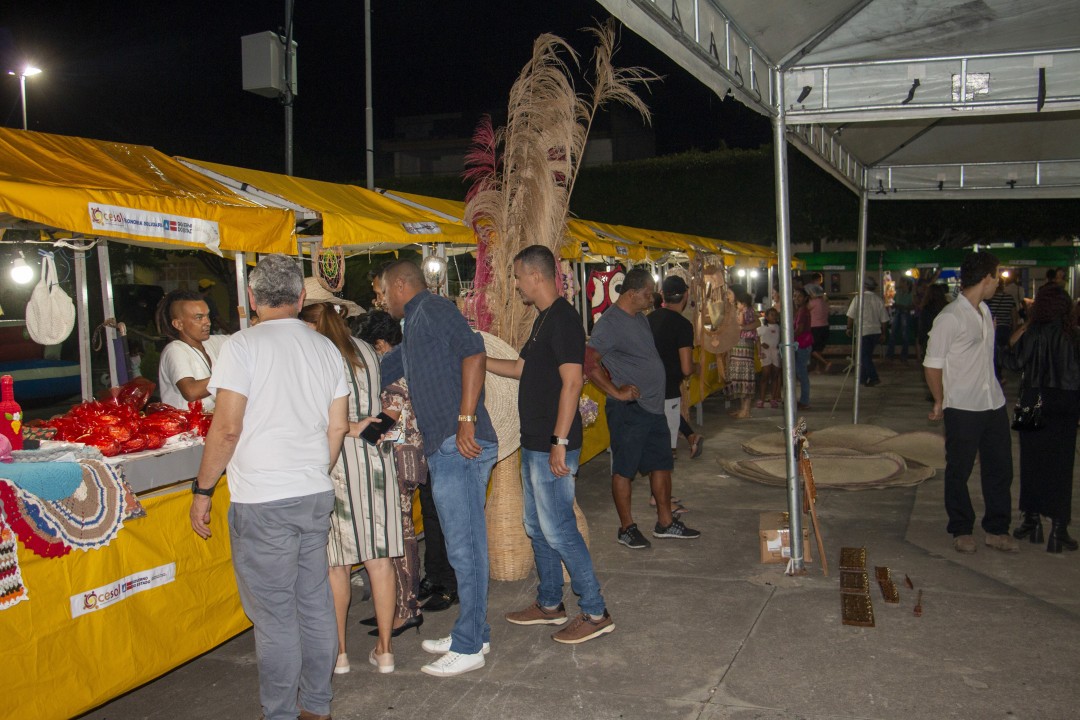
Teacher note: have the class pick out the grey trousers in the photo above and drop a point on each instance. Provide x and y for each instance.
(279, 555)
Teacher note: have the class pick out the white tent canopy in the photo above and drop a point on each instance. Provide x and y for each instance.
(898, 99)
(995, 112)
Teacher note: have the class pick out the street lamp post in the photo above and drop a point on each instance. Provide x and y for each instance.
(26, 72)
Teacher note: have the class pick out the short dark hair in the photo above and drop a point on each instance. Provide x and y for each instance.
(744, 297)
(636, 279)
(976, 266)
(539, 257)
(164, 313)
(379, 325)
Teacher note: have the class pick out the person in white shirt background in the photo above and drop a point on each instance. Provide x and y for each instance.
(875, 319)
(186, 362)
(959, 368)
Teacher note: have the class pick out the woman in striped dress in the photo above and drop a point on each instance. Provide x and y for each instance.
(366, 523)
(741, 376)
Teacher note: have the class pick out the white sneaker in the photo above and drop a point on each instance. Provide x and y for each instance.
(442, 646)
(453, 663)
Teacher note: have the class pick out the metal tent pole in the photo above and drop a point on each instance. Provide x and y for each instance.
(108, 310)
(369, 114)
(787, 334)
(860, 278)
(242, 307)
(82, 302)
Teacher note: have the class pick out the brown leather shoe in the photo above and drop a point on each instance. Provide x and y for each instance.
(305, 715)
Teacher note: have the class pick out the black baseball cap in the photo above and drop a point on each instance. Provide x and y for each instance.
(674, 287)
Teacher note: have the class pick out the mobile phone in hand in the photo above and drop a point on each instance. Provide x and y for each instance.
(373, 432)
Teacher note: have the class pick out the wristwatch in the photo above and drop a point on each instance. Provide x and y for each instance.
(466, 418)
(556, 440)
(196, 490)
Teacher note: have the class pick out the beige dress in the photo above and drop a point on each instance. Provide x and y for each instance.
(366, 522)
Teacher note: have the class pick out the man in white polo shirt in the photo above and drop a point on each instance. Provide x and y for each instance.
(959, 368)
(282, 413)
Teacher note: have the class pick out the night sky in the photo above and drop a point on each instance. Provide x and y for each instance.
(168, 74)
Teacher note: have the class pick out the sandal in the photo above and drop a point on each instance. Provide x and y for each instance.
(696, 447)
(775, 404)
(760, 404)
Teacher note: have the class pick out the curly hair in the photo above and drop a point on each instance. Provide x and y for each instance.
(1052, 304)
(163, 316)
(379, 325)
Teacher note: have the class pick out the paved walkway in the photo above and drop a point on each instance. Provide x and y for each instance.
(704, 631)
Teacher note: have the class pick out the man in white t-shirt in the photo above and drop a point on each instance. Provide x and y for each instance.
(282, 413)
(875, 318)
(186, 363)
(959, 368)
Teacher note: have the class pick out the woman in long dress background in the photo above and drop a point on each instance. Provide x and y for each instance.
(1047, 350)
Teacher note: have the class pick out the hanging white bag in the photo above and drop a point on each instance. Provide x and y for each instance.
(50, 314)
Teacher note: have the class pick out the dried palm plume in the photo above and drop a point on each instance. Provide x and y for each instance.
(523, 174)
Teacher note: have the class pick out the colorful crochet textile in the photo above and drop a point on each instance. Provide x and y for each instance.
(12, 590)
(90, 518)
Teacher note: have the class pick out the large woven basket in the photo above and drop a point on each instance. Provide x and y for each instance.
(510, 555)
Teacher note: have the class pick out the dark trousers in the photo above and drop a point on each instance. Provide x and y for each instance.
(436, 564)
(867, 371)
(985, 432)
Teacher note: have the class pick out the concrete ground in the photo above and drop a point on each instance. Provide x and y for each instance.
(704, 631)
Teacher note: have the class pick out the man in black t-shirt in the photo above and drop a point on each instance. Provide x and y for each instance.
(674, 338)
(550, 368)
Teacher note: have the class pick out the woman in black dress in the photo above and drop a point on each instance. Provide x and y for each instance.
(1047, 350)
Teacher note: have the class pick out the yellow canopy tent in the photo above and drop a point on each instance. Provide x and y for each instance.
(133, 192)
(351, 216)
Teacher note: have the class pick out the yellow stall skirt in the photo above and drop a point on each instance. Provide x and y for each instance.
(102, 622)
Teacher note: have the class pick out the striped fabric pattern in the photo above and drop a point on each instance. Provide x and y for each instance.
(366, 523)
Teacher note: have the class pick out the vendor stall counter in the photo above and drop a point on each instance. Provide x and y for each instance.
(102, 622)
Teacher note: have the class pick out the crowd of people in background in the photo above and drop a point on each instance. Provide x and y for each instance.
(329, 419)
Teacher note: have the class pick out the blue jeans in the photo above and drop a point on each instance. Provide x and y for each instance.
(867, 371)
(459, 487)
(802, 372)
(279, 555)
(552, 527)
(901, 331)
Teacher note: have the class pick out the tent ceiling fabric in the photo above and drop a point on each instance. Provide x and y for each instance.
(352, 216)
(972, 123)
(129, 192)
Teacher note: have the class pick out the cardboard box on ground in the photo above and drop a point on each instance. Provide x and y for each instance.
(774, 537)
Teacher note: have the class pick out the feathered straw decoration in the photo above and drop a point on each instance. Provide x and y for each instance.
(523, 174)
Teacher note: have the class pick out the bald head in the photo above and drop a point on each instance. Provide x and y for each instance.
(406, 271)
(402, 281)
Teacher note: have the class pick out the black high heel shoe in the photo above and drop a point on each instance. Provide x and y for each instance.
(1060, 539)
(370, 622)
(414, 622)
(1031, 526)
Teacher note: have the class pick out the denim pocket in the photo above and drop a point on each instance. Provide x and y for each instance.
(448, 447)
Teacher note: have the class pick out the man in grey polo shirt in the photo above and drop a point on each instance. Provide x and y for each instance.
(634, 383)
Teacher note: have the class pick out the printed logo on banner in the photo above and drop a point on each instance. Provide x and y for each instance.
(142, 223)
(102, 597)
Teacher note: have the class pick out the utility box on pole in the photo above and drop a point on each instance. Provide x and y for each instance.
(264, 64)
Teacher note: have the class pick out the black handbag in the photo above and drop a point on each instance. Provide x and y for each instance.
(1027, 417)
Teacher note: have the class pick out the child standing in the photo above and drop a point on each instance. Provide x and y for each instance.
(769, 337)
